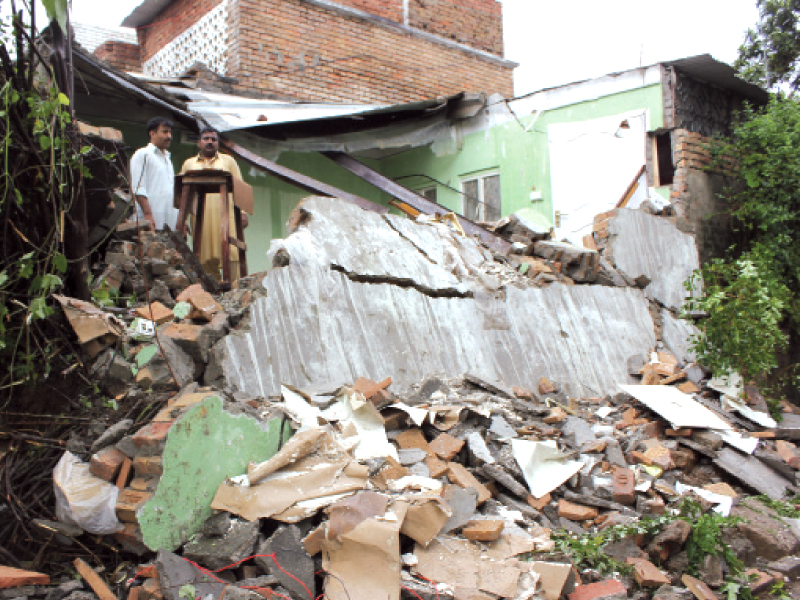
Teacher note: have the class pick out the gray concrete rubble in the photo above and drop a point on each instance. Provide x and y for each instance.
(315, 326)
(643, 245)
(393, 411)
(364, 295)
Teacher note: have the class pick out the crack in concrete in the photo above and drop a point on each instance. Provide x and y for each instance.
(402, 282)
(409, 240)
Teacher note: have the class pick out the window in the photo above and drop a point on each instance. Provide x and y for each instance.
(481, 197)
(428, 192)
(664, 166)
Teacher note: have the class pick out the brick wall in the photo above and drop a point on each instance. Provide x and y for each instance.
(176, 18)
(120, 55)
(300, 50)
(696, 194)
(388, 9)
(477, 23)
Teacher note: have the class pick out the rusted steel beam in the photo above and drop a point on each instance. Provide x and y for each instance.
(414, 200)
(304, 182)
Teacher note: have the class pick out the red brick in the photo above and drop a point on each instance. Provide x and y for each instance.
(540, 503)
(12, 578)
(624, 484)
(160, 313)
(445, 446)
(646, 573)
(147, 466)
(576, 512)
(152, 435)
(487, 530)
(106, 463)
(599, 590)
(459, 475)
(129, 502)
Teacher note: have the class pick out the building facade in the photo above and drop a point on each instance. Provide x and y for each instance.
(366, 51)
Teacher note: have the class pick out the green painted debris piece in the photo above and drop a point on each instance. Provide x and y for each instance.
(204, 447)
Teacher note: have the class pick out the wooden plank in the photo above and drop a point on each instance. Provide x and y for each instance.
(124, 473)
(753, 473)
(631, 190)
(304, 182)
(94, 580)
(413, 199)
(409, 210)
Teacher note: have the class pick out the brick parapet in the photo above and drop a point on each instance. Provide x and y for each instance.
(178, 17)
(306, 51)
(120, 55)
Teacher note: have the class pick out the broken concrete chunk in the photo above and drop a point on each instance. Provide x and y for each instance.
(478, 450)
(218, 552)
(644, 245)
(112, 435)
(174, 572)
(773, 539)
(580, 264)
(462, 503)
(284, 553)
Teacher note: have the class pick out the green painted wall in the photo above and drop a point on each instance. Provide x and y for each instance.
(517, 149)
(204, 447)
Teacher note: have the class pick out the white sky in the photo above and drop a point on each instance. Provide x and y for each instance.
(557, 42)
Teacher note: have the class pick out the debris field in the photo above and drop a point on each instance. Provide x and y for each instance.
(395, 411)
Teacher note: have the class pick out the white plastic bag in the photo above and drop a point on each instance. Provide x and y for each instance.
(83, 499)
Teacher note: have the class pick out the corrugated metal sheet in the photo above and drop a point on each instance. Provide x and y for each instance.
(316, 327)
(642, 244)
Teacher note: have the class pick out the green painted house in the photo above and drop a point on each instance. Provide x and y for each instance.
(560, 155)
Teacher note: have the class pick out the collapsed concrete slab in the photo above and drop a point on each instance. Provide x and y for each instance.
(677, 334)
(643, 245)
(317, 327)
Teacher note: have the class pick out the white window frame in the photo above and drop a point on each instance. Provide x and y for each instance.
(421, 191)
(480, 176)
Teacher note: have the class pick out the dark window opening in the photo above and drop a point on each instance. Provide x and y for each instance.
(666, 168)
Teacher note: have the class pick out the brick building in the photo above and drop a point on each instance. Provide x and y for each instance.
(371, 51)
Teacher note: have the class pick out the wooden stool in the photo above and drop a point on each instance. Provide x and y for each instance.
(195, 185)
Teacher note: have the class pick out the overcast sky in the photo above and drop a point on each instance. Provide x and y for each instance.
(561, 42)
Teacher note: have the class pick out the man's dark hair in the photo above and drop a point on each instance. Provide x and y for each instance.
(207, 129)
(156, 122)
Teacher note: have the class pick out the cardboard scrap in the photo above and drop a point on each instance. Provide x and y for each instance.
(363, 563)
(543, 465)
(90, 322)
(676, 407)
(307, 483)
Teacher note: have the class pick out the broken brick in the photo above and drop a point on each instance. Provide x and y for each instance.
(160, 314)
(539, 503)
(460, 476)
(624, 487)
(128, 504)
(106, 463)
(610, 588)
(646, 573)
(576, 512)
(487, 530)
(146, 466)
(204, 306)
(546, 387)
(700, 590)
(413, 438)
(152, 435)
(13, 578)
(445, 446)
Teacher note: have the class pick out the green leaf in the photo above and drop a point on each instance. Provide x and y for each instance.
(60, 263)
(3, 277)
(62, 98)
(57, 11)
(45, 142)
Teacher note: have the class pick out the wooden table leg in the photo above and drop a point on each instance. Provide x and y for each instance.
(199, 217)
(240, 236)
(226, 249)
(183, 207)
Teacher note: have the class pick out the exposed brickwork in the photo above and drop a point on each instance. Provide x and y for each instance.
(120, 55)
(696, 195)
(176, 18)
(477, 23)
(299, 50)
(388, 9)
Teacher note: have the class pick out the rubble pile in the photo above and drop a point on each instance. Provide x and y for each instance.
(310, 438)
